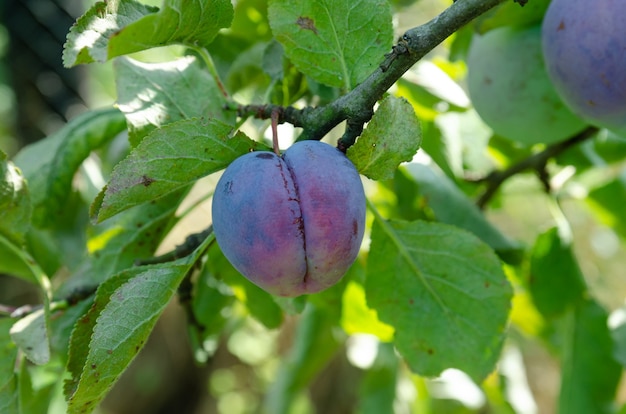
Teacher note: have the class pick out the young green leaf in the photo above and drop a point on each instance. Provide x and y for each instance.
(126, 309)
(444, 292)
(168, 159)
(8, 379)
(452, 206)
(391, 137)
(556, 282)
(15, 204)
(119, 27)
(154, 94)
(50, 164)
(335, 42)
(590, 374)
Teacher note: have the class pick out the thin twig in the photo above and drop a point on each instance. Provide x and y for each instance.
(536, 161)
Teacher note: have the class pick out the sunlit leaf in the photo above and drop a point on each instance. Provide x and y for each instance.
(30, 334)
(335, 42)
(444, 292)
(357, 317)
(15, 204)
(155, 94)
(118, 27)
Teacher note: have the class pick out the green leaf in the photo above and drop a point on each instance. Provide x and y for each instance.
(169, 159)
(15, 261)
(15, 204)
(444, 292)
(556, 282)
(126, 309)
(590, 375)
(607, 202)
(452, 206)
(155, 94)
(391, 137)
(119, 27)
(335, 42)
(8, 380)
(30, 334)
(50, 164)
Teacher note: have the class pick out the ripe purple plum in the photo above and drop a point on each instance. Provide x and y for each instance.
(292, 224)
(584, 47)
(511, 91)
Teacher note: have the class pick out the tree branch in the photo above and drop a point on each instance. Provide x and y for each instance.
(536, 161)
(357, 106)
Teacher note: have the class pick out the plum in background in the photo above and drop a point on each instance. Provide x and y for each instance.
(584, 47)
(511, 91)
(292, 225)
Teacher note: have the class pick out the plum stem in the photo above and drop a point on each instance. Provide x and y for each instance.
(275, 116)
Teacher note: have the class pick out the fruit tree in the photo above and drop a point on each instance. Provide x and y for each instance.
(298, 206)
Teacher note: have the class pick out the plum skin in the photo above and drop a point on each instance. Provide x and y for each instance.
(510, 89)
(292, 225)
(584, 47)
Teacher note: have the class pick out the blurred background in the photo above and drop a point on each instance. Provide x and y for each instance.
(38, 95)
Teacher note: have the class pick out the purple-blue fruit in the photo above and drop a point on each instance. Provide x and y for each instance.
(584, 47)
(292, 225)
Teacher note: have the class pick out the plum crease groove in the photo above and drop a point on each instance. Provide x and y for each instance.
(301, 224)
